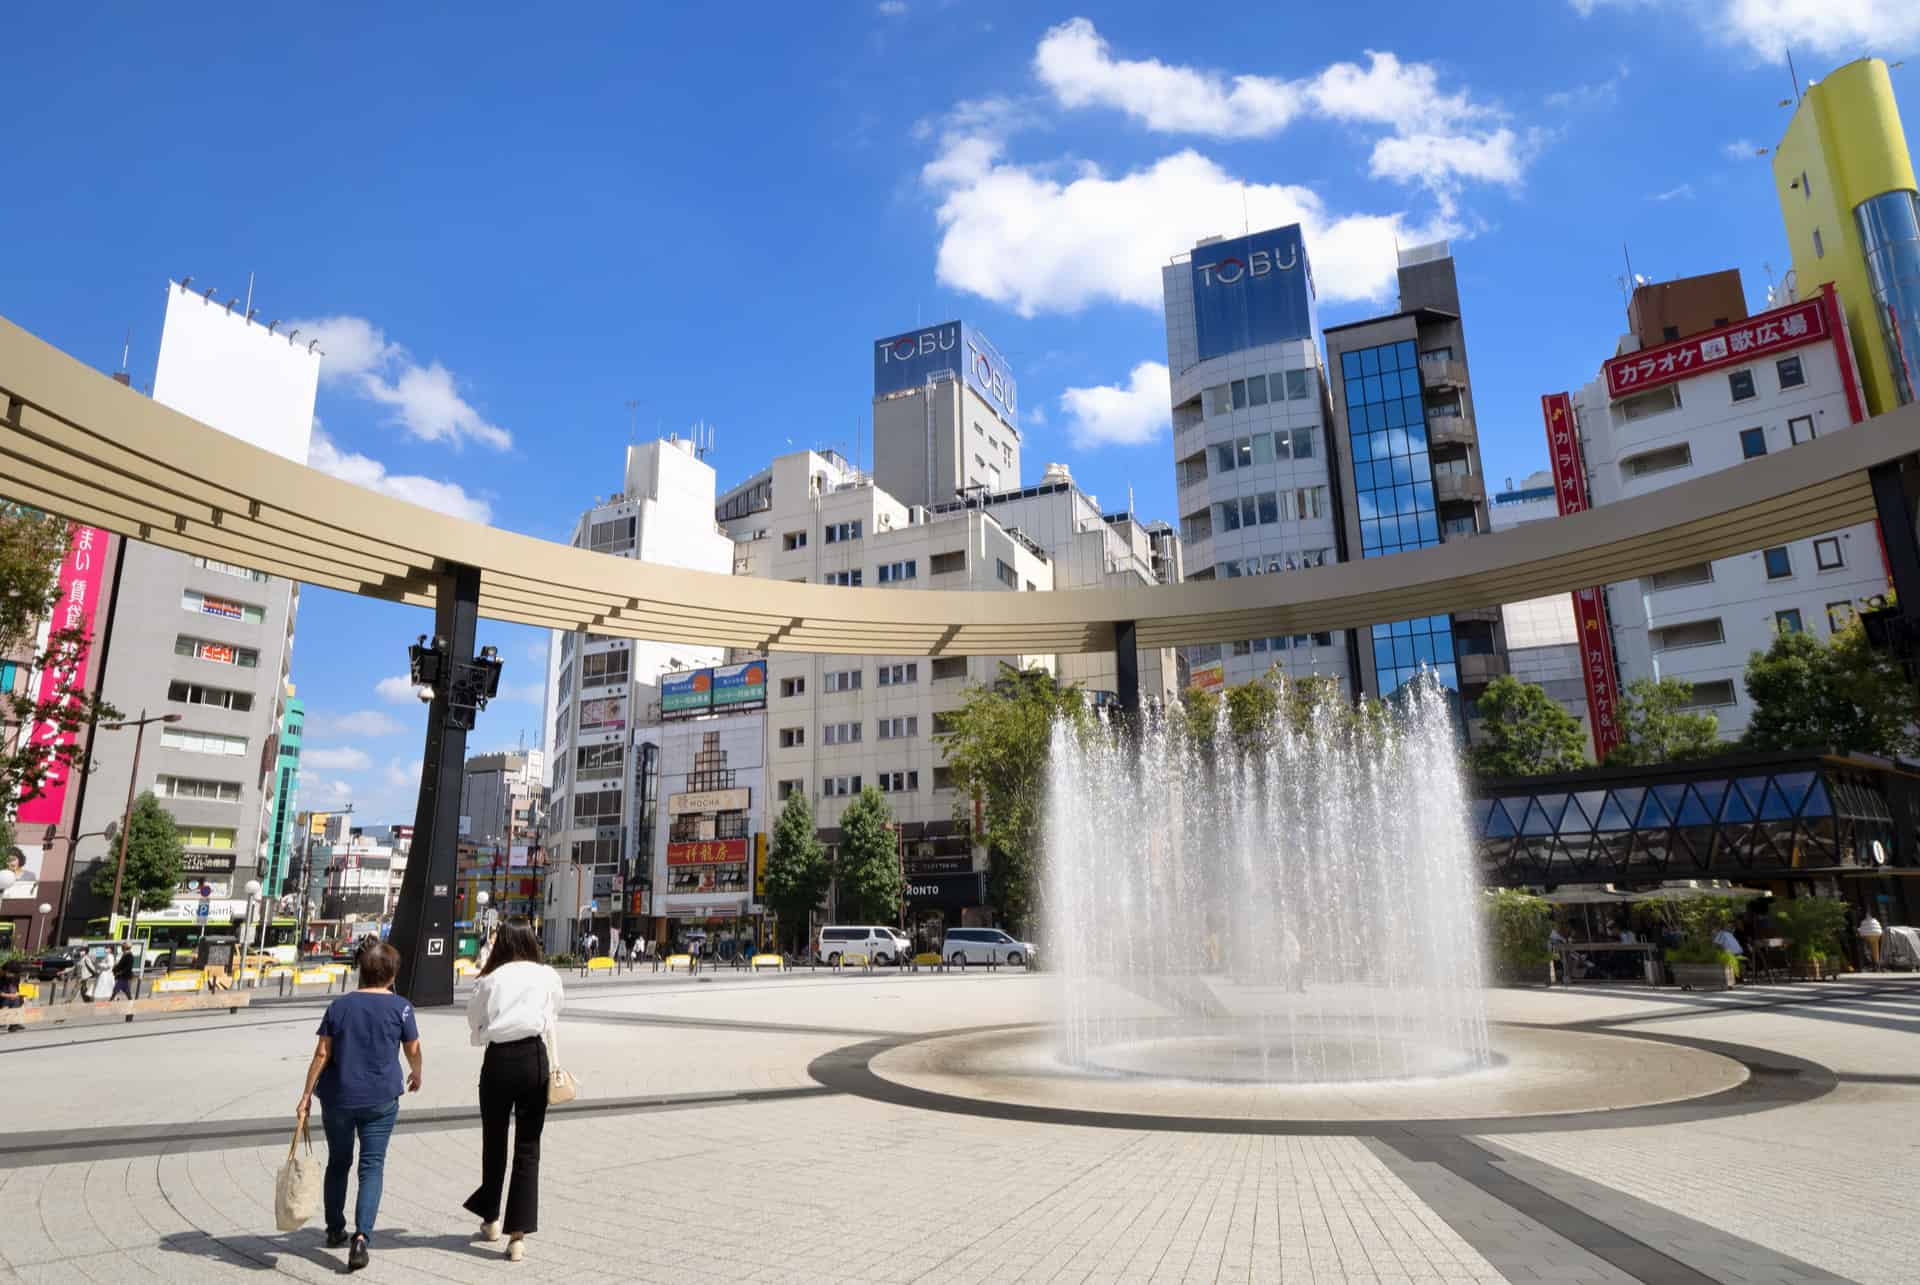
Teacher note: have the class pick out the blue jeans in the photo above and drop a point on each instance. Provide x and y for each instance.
(374, 1125)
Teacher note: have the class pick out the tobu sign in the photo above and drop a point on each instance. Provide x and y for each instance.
(1589, 605)
(952, 348)
(1250, 291)
(64, 679)
(1770, 332)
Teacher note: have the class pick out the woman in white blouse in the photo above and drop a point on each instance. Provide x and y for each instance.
(512, 1012)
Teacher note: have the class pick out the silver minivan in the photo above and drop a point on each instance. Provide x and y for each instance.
(879, 945)
(985, 946)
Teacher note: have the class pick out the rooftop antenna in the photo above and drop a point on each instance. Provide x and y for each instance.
(126, 348)
(633, 422)
(1626, 286)
(1796, 77)
(249, 294)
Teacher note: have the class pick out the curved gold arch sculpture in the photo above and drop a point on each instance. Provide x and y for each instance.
(76, 443)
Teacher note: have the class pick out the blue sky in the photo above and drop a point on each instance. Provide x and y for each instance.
(509, 226)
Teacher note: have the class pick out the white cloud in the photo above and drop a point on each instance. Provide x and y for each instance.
(339, 759)
(1830, 28)
(534, 694)
(423, 399)
(1019, 236)
(537, 652)
(397, 690)
(1131, 416)
(1600, 93)
(403, 774)
(1740, 149)
(891, 8)
(1683, 192)
(319, 792)
(362, 470)
(361, 722)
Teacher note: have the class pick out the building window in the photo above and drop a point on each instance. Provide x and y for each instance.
(1669, 333)
(613, 536)
(1779, 565)
(793, 686)
(596, 807)
(1293, 444)
(1740, 382)
(1718, 692)
(785, 790)
(1806, 187)
(899, 782)
(1819, 246)
(1667, 457)
(206, 836)
(1680, 577)
(840, 787)
(1753, 442)
(943, 778)
(846, 579)
(949, 667)
(843, 680)
(893, 572)
(597, 669)
(175, 738)
(595, 762)
(1790, 373)
(837, 532)
(899, 729)
(1297, 386)
(941, 563)
(840, 734)
(1694, 633)
(1788, 621)
(1826, 553)
(1656, 401)
(1005, 574)
(793, 540)
(229, 569)
(899, 675)
(1839, 616)
(218, 697)
(216, 652)
(187, 787)
(1800, 429)
(792, 737)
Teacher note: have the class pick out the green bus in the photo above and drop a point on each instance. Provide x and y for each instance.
(179, 935)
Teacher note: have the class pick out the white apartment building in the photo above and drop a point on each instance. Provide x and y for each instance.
(712, 812)
(1648, 423)
(665, 515)
(1543, 638)
(1250, 416)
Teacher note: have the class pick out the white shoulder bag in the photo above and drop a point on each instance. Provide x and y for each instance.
(561, 1086)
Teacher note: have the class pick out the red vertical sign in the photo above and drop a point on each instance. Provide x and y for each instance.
(81, 572)
(1589, 605)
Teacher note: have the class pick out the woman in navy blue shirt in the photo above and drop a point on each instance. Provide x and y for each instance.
(355, 1073)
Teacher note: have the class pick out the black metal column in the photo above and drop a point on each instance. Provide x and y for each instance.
(1126, 663)
(423, 920)
(1890, 498)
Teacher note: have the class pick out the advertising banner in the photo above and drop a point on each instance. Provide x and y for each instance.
(740, 686)
(1589, 605)
(1252, 290)
(1770, 332)
(953, 348)
(685, 694)
(953, 865)
(989, 375)
(608, 714)
(708, 801)
(213, 606)
(1209, 676)
(66, 673)
(944, 892)
(707, 852)
(205, 863)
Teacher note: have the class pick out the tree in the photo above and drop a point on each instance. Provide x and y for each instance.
(1250, 713)
(869, 868)
(1844, 694)
(997, 746)
(155, 859)
(1657, 727)
(1525, 732)
(32, 545)
(797, 871)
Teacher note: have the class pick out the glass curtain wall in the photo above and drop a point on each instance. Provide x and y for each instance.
(1890, 234)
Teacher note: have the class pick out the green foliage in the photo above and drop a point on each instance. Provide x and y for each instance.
(1659, 728)
(1698, 920)
(1517, 927)
(996, 747)
(1814, 925)
(564, 961)
(1693, 952)
(1844, 695)
(797, 870)
(1250, 712)
(154, 858)
(870, 882)
(31, 547)
(1200, 712)
(1525, 732)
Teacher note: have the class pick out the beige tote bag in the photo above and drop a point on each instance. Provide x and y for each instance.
(561, 1086)
(296, 1191)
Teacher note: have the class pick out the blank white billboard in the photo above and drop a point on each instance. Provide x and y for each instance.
(228, 372)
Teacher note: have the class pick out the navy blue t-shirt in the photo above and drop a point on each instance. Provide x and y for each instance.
(367, 1029)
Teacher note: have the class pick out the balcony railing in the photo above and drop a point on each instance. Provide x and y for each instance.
(1459, 488)
(1443, 372)
(1451, 430)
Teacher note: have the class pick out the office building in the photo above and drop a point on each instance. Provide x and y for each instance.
(1407, 449)
(502, 796)
(712, 820)
(1847, 193)
(1543, 638)
(286, 797)
(1667, 410)
(1251, 464)
(664, 515)
(210, 641)
(946, 416)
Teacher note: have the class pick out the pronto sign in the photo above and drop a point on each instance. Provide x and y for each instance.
(1770, 332)
(1250, 291)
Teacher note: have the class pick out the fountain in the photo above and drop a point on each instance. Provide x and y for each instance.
(1298, 907)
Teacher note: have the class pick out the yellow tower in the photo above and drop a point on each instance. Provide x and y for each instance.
(1846, 187)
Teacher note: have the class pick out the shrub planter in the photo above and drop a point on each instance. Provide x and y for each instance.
(1703, 977)
(1809, 970)
(1507, 973)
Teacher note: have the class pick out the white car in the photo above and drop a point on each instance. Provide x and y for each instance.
(879, 945)
(985, 946)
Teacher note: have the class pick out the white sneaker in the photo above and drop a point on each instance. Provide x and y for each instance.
(490, 1231)
(516, 1249)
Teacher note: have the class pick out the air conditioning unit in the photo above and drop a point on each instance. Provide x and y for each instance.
(885, 522)
(917, 515)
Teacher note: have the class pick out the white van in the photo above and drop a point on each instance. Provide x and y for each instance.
(879, 945)
(985, 946)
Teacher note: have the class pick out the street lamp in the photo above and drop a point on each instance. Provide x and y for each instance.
(45, 910)
(139, 726)
(73, 866)
(246, 925)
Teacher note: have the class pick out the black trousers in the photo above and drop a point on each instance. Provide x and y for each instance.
(513, 1085)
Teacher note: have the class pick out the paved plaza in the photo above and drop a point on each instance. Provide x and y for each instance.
(819, 1127)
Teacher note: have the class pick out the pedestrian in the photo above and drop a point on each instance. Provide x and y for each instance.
(512, 1013)
(588, 943)
(355, 1073)
(123, 971)
(12, 974)
(85, 969)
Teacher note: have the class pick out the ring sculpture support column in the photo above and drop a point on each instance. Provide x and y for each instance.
(1891, 484)
(423, 920)
(1126, 664)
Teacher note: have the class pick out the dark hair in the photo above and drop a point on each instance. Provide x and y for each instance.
(379, 965)
(514, 942)
(15, 854)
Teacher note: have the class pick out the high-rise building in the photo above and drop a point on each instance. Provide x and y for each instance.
(210, 641)
(1407, 446)
(599, 685)
(1250, 451)
(1847, 192)
(286, 797)
(946, 416)
(1543, 637)
(713, 813)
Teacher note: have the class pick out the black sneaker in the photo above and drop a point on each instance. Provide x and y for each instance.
(357, 1257)
(335, 1239)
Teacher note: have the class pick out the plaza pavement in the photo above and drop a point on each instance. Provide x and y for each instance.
(708, 1147)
